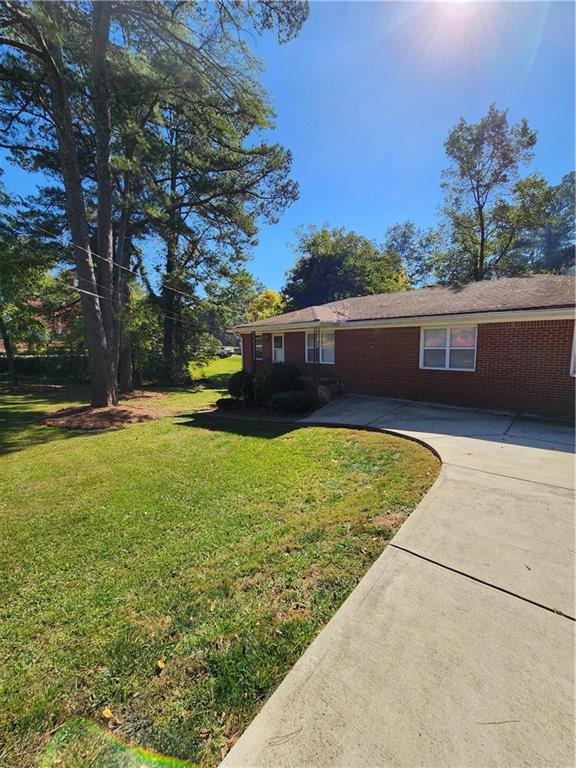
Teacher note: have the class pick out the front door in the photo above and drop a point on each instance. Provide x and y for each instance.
(278, 349)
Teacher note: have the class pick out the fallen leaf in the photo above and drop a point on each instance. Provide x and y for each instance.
(160, 664)
(107, 713)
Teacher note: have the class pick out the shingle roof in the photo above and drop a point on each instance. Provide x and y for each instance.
(513, 293)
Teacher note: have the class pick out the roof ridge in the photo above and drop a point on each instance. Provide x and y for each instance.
(535, 292)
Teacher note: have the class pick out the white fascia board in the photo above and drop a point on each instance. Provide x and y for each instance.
(276, 327)
(475, 318)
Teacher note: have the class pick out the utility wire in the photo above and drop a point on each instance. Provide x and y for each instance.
(102, 258)
(164, 312)
(176, 318)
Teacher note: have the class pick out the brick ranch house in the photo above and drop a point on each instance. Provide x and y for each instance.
(503, 344)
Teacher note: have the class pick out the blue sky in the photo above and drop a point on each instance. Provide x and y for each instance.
(366, 94)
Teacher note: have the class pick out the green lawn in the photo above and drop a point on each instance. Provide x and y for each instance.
(218, 371)
(218, 549)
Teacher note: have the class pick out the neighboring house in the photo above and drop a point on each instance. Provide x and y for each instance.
(503, 344)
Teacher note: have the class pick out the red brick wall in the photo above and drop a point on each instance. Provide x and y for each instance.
(519, 366)
(248, 363)
(247, 351)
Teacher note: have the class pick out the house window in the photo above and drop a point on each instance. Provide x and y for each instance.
(573, 358)
(278, 349)
(258, 347)
(321, 347)
(451, 348)
(327, 347)
(311, 351)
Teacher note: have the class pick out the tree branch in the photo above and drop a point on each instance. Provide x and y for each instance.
(21, 46)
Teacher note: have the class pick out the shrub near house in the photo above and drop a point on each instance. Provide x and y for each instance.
(278, 385)
(241, 387)
(293, 401)
(272, 379)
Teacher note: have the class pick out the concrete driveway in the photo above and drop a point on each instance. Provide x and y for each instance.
(457, 647)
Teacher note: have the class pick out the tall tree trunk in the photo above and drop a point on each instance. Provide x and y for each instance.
(125, 380)
(168, 304)
(168, 298)
(125, 383)
(122, 287)
(103, 132)
(479, 270)
(102, 374)
(9, 352)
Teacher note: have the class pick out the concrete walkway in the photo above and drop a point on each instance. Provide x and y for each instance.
(457, 647)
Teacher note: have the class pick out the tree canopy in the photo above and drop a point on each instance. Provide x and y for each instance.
(148, 116)
(265, 304)
(495, 222)
(335, 264)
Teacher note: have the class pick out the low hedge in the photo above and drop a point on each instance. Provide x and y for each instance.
(241, 386)
(293, 401)
(72, 367)
(274, 378)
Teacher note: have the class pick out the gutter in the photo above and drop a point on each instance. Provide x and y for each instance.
(476, 318)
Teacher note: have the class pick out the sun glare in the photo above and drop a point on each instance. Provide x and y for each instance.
(457, 9)
(453, 29)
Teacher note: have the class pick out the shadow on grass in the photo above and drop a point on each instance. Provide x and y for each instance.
(80, 742)
(216, 381)
(249, 427)
(23, 408)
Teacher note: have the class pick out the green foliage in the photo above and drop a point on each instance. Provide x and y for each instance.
(171, 93)
(229, 298)
(496, 223)
(30, 293)
(267, 303)
(275, 377)
(204, 349)
(335, 264)
(485, 159)
(241, 386)
(293, 401)
(417, 248)
(50, 366)
(551, 244)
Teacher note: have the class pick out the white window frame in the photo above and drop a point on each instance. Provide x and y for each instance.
(261, 346)
(318, 349)
(313, 334)
(448, 329)
(280, 336)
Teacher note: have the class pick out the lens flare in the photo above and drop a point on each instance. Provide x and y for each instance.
(447, 31)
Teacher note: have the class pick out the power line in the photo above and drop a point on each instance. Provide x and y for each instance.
(176, 318)
(108, 261)
(164, 312)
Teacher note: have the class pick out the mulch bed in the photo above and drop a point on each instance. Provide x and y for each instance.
(142, 394)
(114, 417)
